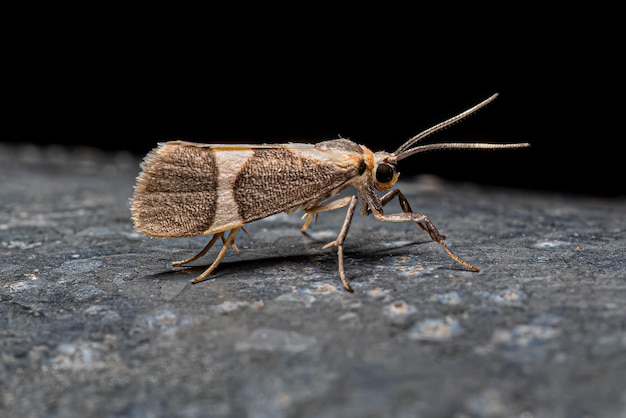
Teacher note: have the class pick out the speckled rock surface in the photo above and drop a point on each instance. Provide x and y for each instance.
(94, 321)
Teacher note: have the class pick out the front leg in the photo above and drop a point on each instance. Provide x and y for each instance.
(420, 219)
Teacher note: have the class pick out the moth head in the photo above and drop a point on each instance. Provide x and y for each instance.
(385, 173)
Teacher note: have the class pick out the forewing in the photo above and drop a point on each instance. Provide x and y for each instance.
(188, 189)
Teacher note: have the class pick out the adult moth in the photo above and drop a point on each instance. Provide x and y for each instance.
(189, 189)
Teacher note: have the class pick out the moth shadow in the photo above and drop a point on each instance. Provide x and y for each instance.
(237, 268)
(323, 259)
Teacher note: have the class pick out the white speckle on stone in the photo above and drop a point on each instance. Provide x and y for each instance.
(270, 339)
(449, 298)
(230, 306)
(547, 244)
(435, 329)
(348, 316)
(525, 335)
(511, 297)
(400, 312)
(83, 355)
(305, 298)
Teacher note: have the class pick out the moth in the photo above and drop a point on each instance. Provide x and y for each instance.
(190, 189)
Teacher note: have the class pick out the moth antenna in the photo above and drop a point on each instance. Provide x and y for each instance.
(458, 145)
(443, 125)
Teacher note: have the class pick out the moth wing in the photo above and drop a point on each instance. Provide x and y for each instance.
(187, 189)
(176, 192)
(282, 178)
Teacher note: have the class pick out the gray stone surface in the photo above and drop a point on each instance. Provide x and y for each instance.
(94, 321)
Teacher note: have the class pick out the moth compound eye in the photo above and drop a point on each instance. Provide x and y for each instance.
(385, 173)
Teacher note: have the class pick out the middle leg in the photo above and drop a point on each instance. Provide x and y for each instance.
(341, 239)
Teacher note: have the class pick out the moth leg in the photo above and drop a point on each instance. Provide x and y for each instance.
(313, 211)
(309, 217)
(228, 243)
(342, 237)
(422, 222)
(201, 253)
(388, 197)
(232, 245)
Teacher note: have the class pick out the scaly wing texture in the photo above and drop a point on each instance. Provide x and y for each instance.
(188, 189)
(176, 192)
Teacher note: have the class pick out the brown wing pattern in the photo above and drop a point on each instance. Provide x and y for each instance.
(176, 192)
(278, 179)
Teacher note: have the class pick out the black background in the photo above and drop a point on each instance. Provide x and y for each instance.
(130, 81)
